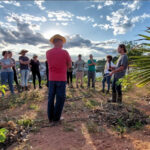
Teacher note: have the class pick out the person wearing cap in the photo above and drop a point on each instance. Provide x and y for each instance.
(7, 74)
(107, 71)
(34, 63)
(14, 69)
(91, 71)
(24, 69)
(58, 61)
(79, 65)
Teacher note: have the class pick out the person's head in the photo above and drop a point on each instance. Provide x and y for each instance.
(23, 52)
(79, 56)
(58, 43)
(35, 57)
(9, 54)
(5, 54)
(122, 49)
(109, 58)
(91, 56)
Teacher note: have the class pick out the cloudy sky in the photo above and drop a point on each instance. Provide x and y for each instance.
(95, 27)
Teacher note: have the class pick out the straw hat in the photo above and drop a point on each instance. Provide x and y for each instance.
(57, 36)
(23, 51)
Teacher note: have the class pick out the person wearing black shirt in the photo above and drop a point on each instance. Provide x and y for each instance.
(35, 70)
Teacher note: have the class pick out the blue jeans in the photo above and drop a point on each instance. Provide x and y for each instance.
(8, 77)
(24, 77)
(58, 89)
(107, 79)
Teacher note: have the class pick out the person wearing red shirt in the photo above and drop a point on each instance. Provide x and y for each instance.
(58, 61)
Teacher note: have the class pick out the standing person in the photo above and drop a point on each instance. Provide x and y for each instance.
(34, 63)
(14, 68)
(69, 76)
(24, 69)
(79, 66)
(91, 71)
(119, 72)
(6, 71)
(47, 72)
(107, 71)
(58, 62)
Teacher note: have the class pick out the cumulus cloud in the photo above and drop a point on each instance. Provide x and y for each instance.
(60, 16)
(120, 21)
(12, 2)
(25, 18)
(23, 35)
(39, 3)
(85, 18)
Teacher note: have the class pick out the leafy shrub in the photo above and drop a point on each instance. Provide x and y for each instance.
(3, 133)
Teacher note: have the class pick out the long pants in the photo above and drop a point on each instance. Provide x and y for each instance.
(69, 77)
(8, 77)
(34, 74)
(116, 87)
(24, 77)
(58, 89)
(79, 76)
(107, 79)
(15, 76)
(91, 76)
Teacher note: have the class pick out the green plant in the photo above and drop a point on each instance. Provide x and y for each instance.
(91, 103)
(3, 133)
(3, 88)
(126, 82)
(141, 64)
(34, 107)
(25, 122)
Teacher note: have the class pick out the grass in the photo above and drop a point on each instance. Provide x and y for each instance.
(92, 127)
(67, 127)
(91, 104)
(34, 107)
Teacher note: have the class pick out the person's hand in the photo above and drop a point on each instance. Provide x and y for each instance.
(111, 73)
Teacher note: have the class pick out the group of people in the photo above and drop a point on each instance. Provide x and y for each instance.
(59, 72)
(9, 73)
(79, 69)
(59, 62)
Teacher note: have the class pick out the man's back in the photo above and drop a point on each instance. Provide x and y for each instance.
(57, 59)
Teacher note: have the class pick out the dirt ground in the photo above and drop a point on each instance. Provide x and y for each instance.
(77, 132)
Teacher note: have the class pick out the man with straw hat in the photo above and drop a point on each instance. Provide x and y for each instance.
(58, 62)
(24, 69)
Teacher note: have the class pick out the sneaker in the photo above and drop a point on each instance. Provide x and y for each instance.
(40, 87)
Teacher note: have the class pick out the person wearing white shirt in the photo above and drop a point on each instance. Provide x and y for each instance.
(107, 71)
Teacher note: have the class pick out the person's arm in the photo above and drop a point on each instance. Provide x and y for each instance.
(6, 66)
(93, 62)
(121, 68)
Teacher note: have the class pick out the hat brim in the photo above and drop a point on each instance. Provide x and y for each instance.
(23, 51)
(58, 37)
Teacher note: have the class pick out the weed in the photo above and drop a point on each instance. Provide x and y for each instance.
(25, 122)
(34, 107)
(92, 127)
